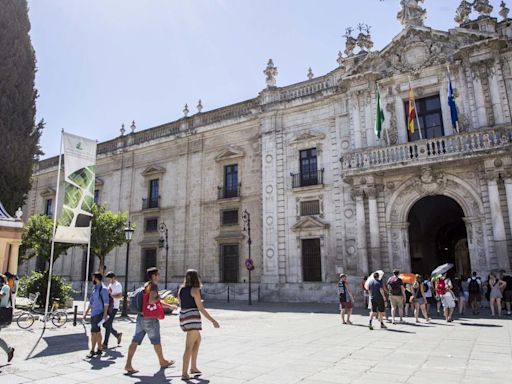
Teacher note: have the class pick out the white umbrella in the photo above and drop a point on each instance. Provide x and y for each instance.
(370, 278)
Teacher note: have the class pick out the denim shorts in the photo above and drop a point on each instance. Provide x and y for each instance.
(94, 323)
(150, 327)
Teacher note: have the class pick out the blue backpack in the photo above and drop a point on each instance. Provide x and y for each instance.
(136, 300)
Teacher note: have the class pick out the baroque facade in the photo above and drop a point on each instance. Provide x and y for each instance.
(325, 194)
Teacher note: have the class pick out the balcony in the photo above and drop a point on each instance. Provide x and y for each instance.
(447, 148)
(151, 203)
(229, 192)
(307, 179)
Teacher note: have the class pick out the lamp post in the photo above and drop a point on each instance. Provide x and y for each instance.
(128, 234)
(165, 232)
(246, 218)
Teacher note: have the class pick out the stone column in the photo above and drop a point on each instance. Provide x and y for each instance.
(361, 232)
(508, 190)
(498, 224)
(374, 226)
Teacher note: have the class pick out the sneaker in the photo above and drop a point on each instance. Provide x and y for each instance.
(119, 336)
(10, 355)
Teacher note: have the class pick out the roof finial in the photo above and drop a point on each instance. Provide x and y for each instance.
(133, 127)
(199, 106)
(504, 11)
(310, 74)
(483, 7)
(463, 12)
(271, 73)
(364, 39)
(122, 130)
(351, 42)
(185, 110)
(412, 13)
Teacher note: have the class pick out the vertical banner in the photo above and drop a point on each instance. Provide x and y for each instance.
(79, 181)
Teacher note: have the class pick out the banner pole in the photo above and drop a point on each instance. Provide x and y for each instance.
(87, 272)
(50, 270)
(416, 110)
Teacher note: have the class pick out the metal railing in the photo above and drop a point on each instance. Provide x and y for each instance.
(229, 193)
(305, 179)
(151, 203)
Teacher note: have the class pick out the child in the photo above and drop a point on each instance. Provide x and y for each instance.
(190, 321)
(346, 299)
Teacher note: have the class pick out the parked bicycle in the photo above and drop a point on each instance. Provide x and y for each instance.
(27, 318)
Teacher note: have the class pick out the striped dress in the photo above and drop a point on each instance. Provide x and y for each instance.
(190, 317)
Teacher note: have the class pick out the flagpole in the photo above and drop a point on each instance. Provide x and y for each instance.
(87, 269)
(378, 111)
(416, 110)
(50, 270)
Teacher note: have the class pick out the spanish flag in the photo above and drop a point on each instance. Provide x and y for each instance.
(412, 112)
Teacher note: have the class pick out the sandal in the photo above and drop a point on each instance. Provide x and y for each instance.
(196, 373)
(185, 378)
(131, 372)
(169, 363)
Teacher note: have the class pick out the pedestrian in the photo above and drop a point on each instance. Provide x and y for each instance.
(419, 299)
(148, 321)
(431, 300)
(115, 290)
(458, 291)
(365, 292)
(444, 293)
(408, 299)
(190, 321)
(475, 292)
(495, 294)
(6, 309)
(377, 294)
(397, 296)
(346, 299)
(99, 302)
(507, 292)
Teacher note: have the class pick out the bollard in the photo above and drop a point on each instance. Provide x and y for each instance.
(75, 314)
(228, 293)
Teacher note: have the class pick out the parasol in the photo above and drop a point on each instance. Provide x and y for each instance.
(442, 269)
(408, 278)
(370, 278)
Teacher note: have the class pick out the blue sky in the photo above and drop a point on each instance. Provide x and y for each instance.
(102, 63)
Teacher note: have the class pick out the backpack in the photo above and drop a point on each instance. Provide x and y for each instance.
(441, 287)
(110, 301)
(396, 287)
(136, 300)
(425, 287)
(473, 286)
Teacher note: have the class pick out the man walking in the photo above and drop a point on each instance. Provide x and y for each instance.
(475, 289)
(6, 302)
(115, 290)
(98, 306)
(377, 295)
(397, 295)
(149, 326)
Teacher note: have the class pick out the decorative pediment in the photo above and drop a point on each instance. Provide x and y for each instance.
(307, 136)
(230, 153)
(48, 192)
(153, 170)
(310, 223)
(99, 182)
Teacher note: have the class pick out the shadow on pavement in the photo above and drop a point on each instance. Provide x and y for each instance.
(160, 377)
(482, 325)
(58, 345)
(399, 330)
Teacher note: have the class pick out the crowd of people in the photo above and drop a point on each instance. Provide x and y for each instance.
(422, 296)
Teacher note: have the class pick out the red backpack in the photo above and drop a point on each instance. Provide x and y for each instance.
(441, 287)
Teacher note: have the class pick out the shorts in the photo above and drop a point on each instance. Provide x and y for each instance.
(396, 301)
(378, 305)
(447, 300)
(346, 305)
(150, 327)
(94, 323)
(419, 300)
(507, 296)
(475, 297)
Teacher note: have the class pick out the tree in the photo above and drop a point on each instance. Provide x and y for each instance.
(36, 240)
(19, 136)
(107, 232)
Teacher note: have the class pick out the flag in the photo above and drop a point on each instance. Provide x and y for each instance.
(412, 111)
(453, 107)
(79, 181)
(379, 120)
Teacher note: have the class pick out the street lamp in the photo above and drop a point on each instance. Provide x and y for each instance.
(246, 218)
(128, 234)
(165, 232)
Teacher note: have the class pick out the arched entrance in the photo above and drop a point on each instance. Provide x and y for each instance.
(437, 235)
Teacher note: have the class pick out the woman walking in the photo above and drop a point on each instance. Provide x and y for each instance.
(444, 293)
(190, 321)
(346, 299)
(420, 299)
(495, 295)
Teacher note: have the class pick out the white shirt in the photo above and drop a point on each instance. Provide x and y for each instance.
(115, 289)
(429, 292)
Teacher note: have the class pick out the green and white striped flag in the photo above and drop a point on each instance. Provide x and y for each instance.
(379, 119)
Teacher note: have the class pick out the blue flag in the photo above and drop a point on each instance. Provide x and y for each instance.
(453, 107)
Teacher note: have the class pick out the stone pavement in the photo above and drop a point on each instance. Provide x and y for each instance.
(279, 343)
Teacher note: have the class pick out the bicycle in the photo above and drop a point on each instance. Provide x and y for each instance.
(27, 318)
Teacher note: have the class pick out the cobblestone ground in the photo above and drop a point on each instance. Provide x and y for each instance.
(275, 343)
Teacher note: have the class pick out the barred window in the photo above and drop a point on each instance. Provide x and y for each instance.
(310, 207)
(229, 217)
(151, 225)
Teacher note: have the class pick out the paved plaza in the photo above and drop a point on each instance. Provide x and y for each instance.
(279, 343)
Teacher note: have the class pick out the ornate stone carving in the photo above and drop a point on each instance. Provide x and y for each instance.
(340, 59)
(350, 43)
(412, 14)
(364, 39)
(429, 183)
(270, 72)
(463, 12)
(504, 11)
(310, 74)
(392, 135)
(483, 7)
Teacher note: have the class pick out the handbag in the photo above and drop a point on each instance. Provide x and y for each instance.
(152, 311)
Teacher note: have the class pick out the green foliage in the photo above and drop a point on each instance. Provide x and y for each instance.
(37, 239)
(38, 282)
(19, 135)
(107, 232)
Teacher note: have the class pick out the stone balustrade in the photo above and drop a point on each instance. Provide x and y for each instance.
(428, 150)
(305, 88)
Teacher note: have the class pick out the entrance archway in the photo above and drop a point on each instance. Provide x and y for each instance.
(437, 235)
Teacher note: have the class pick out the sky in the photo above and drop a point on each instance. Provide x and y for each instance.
(102, 63)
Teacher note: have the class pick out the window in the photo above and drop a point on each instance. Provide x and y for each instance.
(97, 196)
(48, 207)
(153, 197)
(310, 207)
(229, 217)
(430, 118)
(308, 167)
(229, 263)
(151, 225)
(231, 181)
(311, 260)
(148, 261)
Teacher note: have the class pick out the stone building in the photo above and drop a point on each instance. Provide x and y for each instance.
(325, 194)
